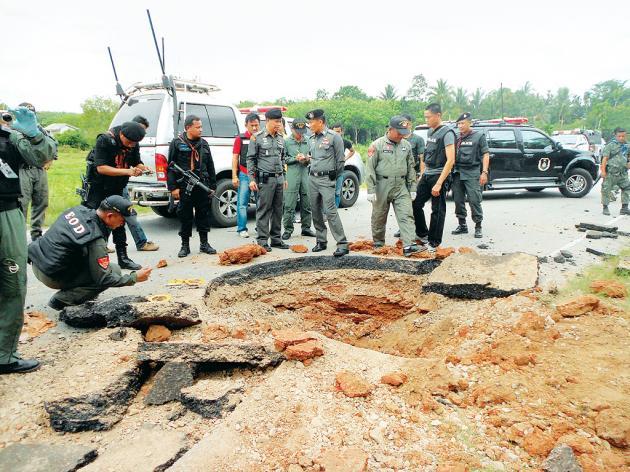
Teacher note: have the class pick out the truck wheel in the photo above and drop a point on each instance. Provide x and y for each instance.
(349, 189)
(223, 208)
(578, 182)
(163, 211)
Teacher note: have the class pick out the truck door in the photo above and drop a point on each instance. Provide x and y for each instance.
(540, 156)
(505, 156)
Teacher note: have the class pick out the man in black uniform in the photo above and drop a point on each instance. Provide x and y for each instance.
(191, 152)
(72, 255)
(439, 157)
(115, 158)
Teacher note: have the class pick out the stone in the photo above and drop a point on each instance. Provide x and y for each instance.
(476, 277)
(543, 259)
(162, 263)
(241, 254)
(610, 288)
(444, 252)
(348, 460)
(361, 245)
(466, 250)
(599, 235)
(239, 352)
(613, 425)
(578, 306)
(352, 385)
(299, 248)
(483, 246)
(288, 337)
(118, 334)
(36, 323)
(169, 381)
(214, 331)
(130, 311)
(21, 457)
(213, 398)
(623, 266)
(579, 444)
(98, 401)
(561, 459)
(560, 259)
(594, 227)
(305, 350)
(395, 379)
(537, 443)
(157, 334)
(151, 448)
(566, 254)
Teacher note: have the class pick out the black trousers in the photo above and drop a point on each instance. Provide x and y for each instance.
(438, 209)
(199, 201)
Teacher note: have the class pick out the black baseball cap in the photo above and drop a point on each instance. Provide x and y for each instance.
(299, 125)
(118, 204)
(400, 124)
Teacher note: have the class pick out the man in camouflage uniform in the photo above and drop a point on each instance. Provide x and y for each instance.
(614, 169)
(391, 179)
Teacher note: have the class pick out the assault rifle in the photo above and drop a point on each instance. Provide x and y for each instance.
(191, 180)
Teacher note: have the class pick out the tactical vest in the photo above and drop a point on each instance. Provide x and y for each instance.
(64, 246)
(468, 155)
(242, 159)
(9, 188)
(435, 152)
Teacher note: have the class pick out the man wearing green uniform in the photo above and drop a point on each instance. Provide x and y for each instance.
(327, 161)
(297, 178)
(24, 144)
(614, 169)
(391, 179)
(72, 255)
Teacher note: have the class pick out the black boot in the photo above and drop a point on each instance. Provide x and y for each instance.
(185, 250)
(478, 232)
(461, 228)
(204, 245)
(624, 210)
(123, 259)
(606, 211)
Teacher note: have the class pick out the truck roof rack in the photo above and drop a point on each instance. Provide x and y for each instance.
(181, 85)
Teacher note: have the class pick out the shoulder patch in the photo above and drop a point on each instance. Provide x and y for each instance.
(371, 150)
(103, 262)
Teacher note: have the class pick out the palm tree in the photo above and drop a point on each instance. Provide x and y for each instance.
(442, 93)
(461, 99)
(389, 93)
(475, 101)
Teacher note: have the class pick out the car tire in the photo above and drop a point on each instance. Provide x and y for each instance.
(349, 189)
(535, 190)
(578, 182)
(163, 211)
(223, 207)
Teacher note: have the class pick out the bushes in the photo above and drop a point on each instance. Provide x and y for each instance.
(73, 139)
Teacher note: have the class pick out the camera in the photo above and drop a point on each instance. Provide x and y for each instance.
(6, 116)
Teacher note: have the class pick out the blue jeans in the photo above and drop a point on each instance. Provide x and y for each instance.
(338, 190)
(134, 226)
(243, 201)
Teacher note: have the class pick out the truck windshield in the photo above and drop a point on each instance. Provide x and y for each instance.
(148, 106)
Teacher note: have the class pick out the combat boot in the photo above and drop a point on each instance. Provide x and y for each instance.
(461, 229)
(185, 249)
(606, 211)
(204, 245)
(478, 232)
(624, 210)
(123, 259)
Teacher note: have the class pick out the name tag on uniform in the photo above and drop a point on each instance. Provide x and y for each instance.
(7, 171)
(432, 140)
(388, 151)
(466, 143)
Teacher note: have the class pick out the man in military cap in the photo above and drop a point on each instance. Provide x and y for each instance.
(439, 158)
(471, 174)
(114, 159)
(191, 152)
(267, 175)
(391, 179)
(23, 144)
(297, 161)
(72, 256)
(614, 169)
(34, 185)
(327, 162)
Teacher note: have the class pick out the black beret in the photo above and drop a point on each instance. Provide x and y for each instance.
(133, 131)
(464, 116)
(273, 114)
(315, 114)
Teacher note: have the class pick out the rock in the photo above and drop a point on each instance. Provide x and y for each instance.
(394, 379)
(98, 401)
(150, 448)
(118, 334)
(157, 334)
(361, 245)
(543, 260)
(475, 276)
(162, 263)
(483, 246)
(299, 248)
(22, 457)
(537, 443)
(305, 350)
(579, 444)
(288, 337)
(492, 395)
(212, 398)
(444, 252)
(349, 460)
(36, 323)
(131, 311)
(623, 266)
(466, 250)
(559, 259)
(213, 332)
(241, 254)
(610, 288)
(578, 307)
(169, 381)
(241, 352)
(566, 254)
(352, 385)
(599, 234)
(561, 459)
(613, 425)
(598, 253)
(594, 227)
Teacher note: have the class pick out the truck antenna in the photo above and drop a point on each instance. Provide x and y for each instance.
(119, 90)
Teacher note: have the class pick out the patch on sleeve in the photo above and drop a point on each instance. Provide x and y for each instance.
(103, 262)
(371, 151)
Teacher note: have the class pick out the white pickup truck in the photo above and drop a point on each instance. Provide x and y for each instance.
(221, 123)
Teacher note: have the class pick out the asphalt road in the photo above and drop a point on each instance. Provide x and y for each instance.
(536, 223)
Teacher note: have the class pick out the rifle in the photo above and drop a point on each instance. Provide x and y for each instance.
(191, 180)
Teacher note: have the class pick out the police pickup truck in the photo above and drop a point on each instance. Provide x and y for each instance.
(522, 156)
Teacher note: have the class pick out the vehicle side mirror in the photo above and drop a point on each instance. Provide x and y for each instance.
(549, 148)
(558, 146)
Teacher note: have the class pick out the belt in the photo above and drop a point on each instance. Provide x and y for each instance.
(6, 205)
(29, 167)
(271, 174)
(322, 174)
(390, 177)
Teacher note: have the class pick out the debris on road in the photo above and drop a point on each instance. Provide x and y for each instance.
(299, 248)
(595, 227)
(241, 254)
(36, 323)
(161, 263)
(610, 288)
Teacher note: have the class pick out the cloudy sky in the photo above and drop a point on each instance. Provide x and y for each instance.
(54, 53)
